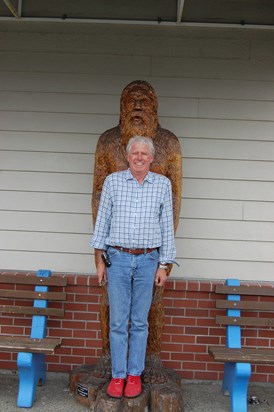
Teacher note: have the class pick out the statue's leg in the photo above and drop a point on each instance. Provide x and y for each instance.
(154, 371)
(103, 367)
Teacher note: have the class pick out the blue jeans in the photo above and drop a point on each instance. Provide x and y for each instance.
(130, 286)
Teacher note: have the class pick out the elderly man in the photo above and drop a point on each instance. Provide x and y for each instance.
(138, 116)
(134, 226)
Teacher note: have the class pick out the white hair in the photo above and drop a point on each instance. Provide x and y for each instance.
(141, 139)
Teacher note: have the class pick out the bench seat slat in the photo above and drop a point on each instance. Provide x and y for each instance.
(22, 344)
(243, 304)
(245, 290)
(244, 321)
(252, 355)
(30, 310)
(28, 294)
(33, 280)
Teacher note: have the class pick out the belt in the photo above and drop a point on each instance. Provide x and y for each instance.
(134, 251)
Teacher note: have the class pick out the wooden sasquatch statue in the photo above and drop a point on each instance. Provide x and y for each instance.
(138, 116)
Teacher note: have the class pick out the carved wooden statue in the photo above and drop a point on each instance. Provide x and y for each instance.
(138, 116)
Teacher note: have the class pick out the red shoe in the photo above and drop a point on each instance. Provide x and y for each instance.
(116, 387)
(133, 387)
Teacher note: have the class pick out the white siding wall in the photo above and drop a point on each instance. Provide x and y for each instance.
(60, 87)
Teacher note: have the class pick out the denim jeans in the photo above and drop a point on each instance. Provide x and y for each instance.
(130, 286)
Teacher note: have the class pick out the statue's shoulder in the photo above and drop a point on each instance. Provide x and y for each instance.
(166, 138)
(110, 136)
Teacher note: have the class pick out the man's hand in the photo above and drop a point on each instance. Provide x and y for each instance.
(160, 277)
(101, 271)
(101, 274)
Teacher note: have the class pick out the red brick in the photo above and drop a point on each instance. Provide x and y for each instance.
(183, 338)
(172, 347)
(76, 307)
(196, 348)
(174, 312)
(196, 331)
(265, 369)
(173, 329)
(62, 333)
(203, 357)
(194, 366)
(81, 333)
(197, 313)
(205, 376)
(81, 352)
(189, 307)
(183, 321)
(86, 316)
(208, 340)
(187, 374)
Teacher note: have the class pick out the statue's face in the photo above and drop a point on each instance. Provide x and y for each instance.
(139, 108)
(138, 116)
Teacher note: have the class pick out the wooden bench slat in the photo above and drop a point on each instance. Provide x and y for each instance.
(28, 294)
(30, 310)
(21, 344)
(245, 290)
(244, 321)
(252, 355)
(241, 304)
(33, 280)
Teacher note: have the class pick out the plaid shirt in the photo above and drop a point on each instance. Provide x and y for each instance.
(134, 215)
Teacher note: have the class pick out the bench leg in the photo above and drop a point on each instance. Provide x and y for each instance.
(235, 383)
(32, 370)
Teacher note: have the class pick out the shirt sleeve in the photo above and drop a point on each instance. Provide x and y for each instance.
(102, 225)
(167, 251)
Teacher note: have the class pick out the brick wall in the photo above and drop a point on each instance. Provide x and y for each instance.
(189, 329)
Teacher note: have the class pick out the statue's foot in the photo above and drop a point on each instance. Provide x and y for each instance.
(154, 371)
(103, 367)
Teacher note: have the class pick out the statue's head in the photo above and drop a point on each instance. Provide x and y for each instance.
(138, 110)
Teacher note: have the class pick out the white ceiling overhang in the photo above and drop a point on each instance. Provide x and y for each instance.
(229, 13)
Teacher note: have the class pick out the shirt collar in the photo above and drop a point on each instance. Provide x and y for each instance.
(149, 177)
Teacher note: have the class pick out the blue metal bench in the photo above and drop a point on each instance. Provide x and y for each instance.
(238, 360)
(31, 350)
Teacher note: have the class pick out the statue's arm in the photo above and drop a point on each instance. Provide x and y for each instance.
(175, 174)
(101, 171)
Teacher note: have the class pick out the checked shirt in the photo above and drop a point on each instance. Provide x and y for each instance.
(134, 215)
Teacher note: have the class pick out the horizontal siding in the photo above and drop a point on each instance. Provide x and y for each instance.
(60, 91)
(249, 231)
(69, 83)
(216, 68)
(220, 129)
(79, 223)
(46, 182)
(57, 261)
(45, 202)
(46, 162)
(229, 189)
(66, 62)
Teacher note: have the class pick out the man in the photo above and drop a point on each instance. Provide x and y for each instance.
(135, 226)
(138, 116)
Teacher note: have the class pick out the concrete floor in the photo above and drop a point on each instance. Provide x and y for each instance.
(198, 396)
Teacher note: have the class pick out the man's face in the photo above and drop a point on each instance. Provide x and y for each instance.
(139, 159)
